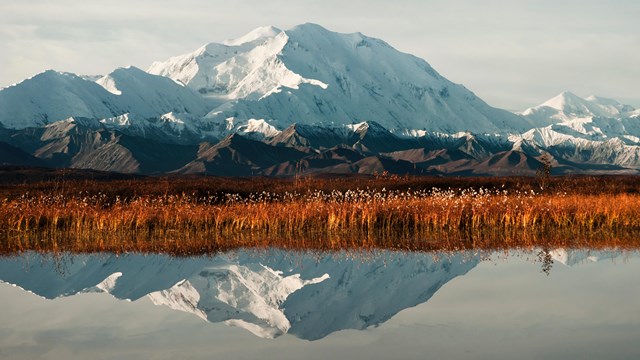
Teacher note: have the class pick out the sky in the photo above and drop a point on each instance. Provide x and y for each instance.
(513, 54)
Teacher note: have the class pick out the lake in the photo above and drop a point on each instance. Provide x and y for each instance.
(276, 304)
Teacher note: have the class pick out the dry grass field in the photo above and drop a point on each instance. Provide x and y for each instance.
(198, 215)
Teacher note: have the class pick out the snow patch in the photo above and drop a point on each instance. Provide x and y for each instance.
(357, 126)
(109, 84)
(182, 297)
(120, 120)
(108, 284)
(248, 67)
(258, 126)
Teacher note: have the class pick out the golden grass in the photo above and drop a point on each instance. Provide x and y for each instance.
(69, 219)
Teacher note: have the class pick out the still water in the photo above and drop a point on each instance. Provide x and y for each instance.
(273, 304)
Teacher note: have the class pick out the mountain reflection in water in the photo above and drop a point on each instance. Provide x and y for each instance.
(268, 293)
(540, 303)
(309, 295)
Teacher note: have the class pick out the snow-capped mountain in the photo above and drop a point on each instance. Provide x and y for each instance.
(568, 106)
(53, 96)
(311, 75)
(592, 130)
(268, 294)
(126, 93)
(342, 103)
(592, 118)
(148, 95)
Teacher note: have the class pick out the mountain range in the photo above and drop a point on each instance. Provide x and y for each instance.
(308, 295)
(304, 100)
(270, 294)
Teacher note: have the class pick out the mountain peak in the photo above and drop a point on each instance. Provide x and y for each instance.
(306, 74)
(129, 69)
(313, 75)
(309, 27)
(318, 37)
(109, 81)
(45, 74)
(569, 106)
(256, 34)
(563, 100)
(53, 74)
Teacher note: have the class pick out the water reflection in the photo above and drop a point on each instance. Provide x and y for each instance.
(269, 293)
(545, 258)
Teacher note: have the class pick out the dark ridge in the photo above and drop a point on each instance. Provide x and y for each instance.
(11, 175)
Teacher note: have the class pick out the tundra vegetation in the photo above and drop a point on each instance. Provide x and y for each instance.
(200, 215)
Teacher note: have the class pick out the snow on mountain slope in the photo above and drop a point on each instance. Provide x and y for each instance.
(52, 96)
(258, 128)
(148, 95)
(578, 148)
(256, 34)
(311, 75)
(594, 130)
(247, 68)
(568, 106)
